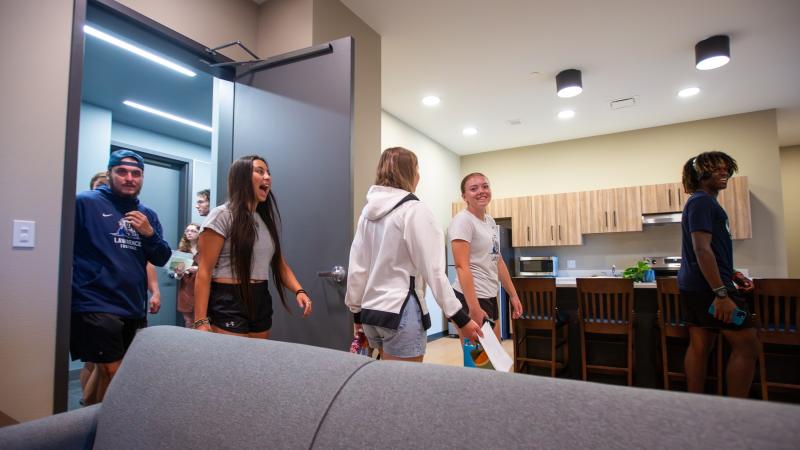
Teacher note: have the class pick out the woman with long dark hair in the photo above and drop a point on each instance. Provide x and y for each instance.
(239, 249)
(188, 244)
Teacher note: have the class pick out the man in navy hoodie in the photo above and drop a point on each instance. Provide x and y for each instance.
(115, 237)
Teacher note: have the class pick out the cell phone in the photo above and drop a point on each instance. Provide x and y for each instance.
(738, 314)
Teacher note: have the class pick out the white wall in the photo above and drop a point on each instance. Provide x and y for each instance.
(440, 177)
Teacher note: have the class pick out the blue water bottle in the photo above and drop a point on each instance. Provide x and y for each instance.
(468, 347)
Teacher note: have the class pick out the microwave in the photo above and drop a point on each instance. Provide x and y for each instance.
(537, 266)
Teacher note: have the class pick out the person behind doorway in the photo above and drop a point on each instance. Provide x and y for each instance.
(188, 244)
(239, 247)
(476, 252)
(706, 277)
(398, 244)
(115, 237)
(99, 179)
(203, 204)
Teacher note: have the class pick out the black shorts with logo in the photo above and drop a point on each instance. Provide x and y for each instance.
(487, 304)
(227, 310)
(694, 306)
(102, 337)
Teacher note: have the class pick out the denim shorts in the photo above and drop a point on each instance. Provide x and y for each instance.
(407, 341)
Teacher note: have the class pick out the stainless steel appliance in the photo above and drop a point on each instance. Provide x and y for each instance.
(537, 266)
(664, 266)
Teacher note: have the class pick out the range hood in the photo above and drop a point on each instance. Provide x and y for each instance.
(661, 219)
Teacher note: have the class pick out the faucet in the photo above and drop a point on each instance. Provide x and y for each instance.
(613, 270)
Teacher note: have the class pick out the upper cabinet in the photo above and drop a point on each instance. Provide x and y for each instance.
(546, 221)
(736, 202)
(663, 198)
(501, 208)
(611, 210)
(456, 207)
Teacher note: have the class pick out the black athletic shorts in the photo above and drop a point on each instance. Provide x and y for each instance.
(227, 310)
(487, 304)
(694, 306)
(102, 337)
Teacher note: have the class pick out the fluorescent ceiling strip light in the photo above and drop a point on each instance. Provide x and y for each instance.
(136, 50)
(167, 115)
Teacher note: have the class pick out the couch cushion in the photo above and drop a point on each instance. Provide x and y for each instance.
(406, 405)
(180, 388)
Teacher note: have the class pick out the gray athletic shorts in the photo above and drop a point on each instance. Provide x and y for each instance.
(407, 341)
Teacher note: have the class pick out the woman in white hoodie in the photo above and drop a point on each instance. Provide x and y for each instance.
(397, 248)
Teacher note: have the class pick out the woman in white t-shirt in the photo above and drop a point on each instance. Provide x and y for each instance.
(476, 251)
(239, 252)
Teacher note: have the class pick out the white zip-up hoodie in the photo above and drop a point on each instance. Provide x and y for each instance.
(393, 251)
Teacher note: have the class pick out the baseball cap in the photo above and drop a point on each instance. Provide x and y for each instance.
(116, 159)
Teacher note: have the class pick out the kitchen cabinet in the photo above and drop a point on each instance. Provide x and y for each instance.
(611, 210)
(548, 220)
(663, 198)
(456, 207)
(736, 202)
(521, 222)
(500, 208)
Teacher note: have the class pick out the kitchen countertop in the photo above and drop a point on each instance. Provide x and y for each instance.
(569, 282)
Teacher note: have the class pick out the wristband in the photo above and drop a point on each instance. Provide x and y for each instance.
(200, 322)
(300, 291)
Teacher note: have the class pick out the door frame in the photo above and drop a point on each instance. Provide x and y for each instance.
(70, 169)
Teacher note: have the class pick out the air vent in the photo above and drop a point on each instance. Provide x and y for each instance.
(513, 122)
(623, 103)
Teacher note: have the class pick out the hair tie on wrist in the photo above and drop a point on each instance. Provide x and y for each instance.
(300, 291)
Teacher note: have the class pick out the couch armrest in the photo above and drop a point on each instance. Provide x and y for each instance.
(70, 430)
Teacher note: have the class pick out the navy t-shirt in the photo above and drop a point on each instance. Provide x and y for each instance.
(703, 213)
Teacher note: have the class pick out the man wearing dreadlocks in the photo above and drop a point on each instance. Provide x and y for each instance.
(706, 278)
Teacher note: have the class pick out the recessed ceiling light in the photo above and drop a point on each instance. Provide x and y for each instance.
(431, 100)
(469, 131)
(689, 92)
(136, 50)
(167, 115)
(566, 114)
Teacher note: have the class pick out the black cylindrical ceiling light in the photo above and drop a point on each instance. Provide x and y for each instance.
(713, 52)
(568, 83)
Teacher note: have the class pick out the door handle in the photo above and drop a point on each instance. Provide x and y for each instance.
(338, 274)
(551, 233)
(669, 196)
(529, 234)
(606, 219)
(615, 219)
(559, 232)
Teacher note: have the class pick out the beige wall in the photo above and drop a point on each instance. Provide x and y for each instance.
(283, 26)
(332, 20)
(648, 156)
(790, 177)
(209, 22)
(32, 132)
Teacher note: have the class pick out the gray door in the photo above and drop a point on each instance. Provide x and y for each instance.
(161, 192)
(297, 114)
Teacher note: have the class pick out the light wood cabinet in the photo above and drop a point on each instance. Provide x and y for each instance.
(736, 202)
(552, 220)
(456, 207)
(500, 208)
(569, 219)
(662, 198)
(611, 210)
(521, 222)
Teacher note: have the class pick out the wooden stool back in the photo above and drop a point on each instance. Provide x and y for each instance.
(539, 312)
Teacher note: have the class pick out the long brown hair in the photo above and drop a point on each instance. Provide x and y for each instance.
(244, 230)
(700, 167)
(397, 168)
(184, 245)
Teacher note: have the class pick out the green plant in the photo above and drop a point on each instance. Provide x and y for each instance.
(637, 272)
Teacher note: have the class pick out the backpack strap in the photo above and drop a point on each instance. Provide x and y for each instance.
(407, 198)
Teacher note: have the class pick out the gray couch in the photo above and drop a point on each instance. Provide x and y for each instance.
(186, 389)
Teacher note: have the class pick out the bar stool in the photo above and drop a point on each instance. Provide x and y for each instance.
(539, 312)
(605, 306)
(671, 324)
(777, 304)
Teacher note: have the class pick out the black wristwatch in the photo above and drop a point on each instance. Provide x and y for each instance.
(721, 292)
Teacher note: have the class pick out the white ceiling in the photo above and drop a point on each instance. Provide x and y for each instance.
(480, 57)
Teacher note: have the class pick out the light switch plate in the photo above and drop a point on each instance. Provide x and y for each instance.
(570, 264)
(24, 234)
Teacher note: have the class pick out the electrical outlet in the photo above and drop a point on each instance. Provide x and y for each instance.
(570, 264)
